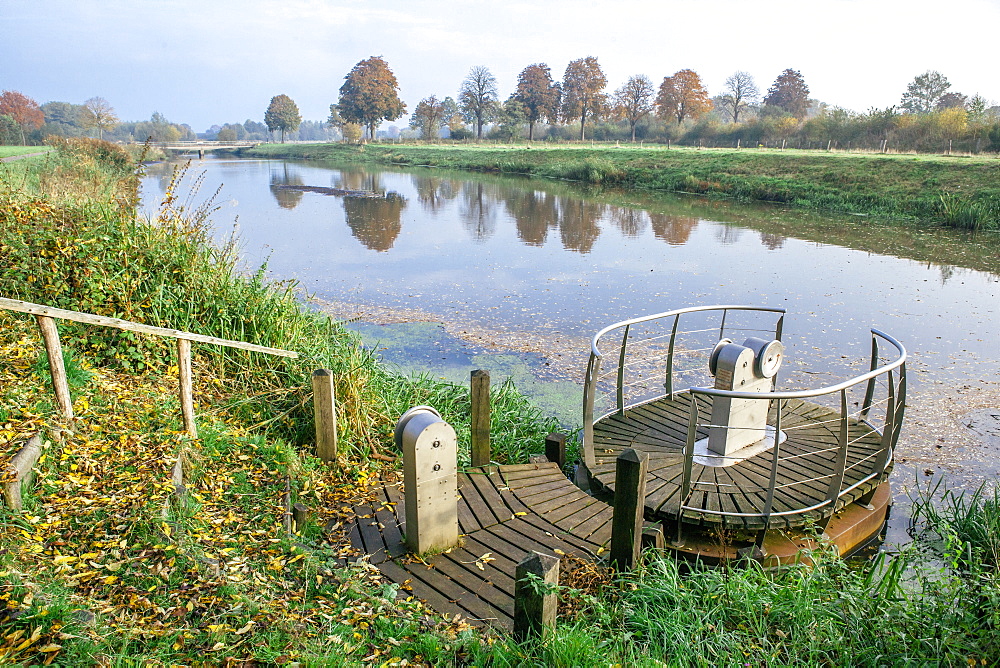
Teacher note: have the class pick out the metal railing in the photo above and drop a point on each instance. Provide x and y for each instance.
(860, 425)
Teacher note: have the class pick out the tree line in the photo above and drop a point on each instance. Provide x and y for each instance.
(680, 109)
(929, 117)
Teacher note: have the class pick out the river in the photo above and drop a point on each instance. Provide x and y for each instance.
(446, 272)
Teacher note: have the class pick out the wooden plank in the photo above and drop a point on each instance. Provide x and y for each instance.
(543, 532)
(88, 318)
(445, 595)
(480, 508)
(371, 535)
(506, 501)
(477, 583)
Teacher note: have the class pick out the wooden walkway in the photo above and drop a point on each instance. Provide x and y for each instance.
(809, 458)
(503, 513)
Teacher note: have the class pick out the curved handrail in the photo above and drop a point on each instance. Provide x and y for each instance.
(676, 312)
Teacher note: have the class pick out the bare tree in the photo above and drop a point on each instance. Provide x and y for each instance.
(740, 92)
(98, 113)
(634, 100)
(478, 97)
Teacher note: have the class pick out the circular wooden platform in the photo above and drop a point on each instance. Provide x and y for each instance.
(808, 463)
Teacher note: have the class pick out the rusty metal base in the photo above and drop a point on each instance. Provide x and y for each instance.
(849, 530)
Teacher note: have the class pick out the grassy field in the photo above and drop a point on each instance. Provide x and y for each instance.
(107, 566)
(957, 191)
(7, 151)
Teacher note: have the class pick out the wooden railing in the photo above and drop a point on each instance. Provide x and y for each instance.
(47, 315)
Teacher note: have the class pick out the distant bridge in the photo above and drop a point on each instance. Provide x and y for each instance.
(202, 146)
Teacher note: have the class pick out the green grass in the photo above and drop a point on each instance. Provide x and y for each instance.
(893, 186)
(7, 151)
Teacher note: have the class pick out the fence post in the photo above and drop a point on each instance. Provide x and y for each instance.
(630, 498)
(480, 417)
(555, 448)
(535, 611)
(325, 415)
(186, 386)
(53, 348)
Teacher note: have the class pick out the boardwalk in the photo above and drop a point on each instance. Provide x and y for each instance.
(504, 512)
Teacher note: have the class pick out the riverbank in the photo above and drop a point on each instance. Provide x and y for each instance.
(962, 192)
(106, 565)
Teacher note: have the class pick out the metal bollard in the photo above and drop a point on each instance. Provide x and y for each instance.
(430, 478)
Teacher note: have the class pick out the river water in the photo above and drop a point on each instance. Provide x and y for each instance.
(446, 272)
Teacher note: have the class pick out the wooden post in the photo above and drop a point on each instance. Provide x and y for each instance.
(534, 612)
(480, 417)
(325, 412)
(555, 448)
(53, 348)
(186, 386)
(630, 497)
(300, 516)
(286, 505)
(22, 467)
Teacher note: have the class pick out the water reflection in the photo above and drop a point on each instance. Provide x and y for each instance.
(675, 230)
(286, 198)
(578, 224)
(534, 212)
(477, 212)
(435, 193)
(375, 221)
(632, 222)
(772, 241)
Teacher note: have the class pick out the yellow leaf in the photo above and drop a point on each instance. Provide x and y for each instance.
(111, 579)
(520, 513)
(246, 628)
(50, 648)
(217, 646)
(559, 552)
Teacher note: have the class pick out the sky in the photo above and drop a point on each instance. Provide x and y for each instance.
(211, 62)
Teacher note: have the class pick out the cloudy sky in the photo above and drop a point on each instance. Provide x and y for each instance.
(215, 61)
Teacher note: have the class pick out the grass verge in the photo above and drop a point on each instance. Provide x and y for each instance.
(956, 191)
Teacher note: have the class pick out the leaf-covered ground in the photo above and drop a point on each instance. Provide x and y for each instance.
(108, 563)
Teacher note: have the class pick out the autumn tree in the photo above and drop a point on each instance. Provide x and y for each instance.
(537, 94)
(634, 100)
(428, 117)
(583, 91)
(370, 94)
(790, 93)
(478, 97)
(923, 93)
(952, 101)
(99, 114)
(739, 93)
(282, 114)
(683, 96)
(24, 111)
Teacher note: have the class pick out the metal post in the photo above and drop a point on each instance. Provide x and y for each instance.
(430, 479)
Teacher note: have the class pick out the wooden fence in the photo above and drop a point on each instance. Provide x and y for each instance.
(46, 317)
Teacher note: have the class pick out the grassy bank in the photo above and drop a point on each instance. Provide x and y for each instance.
(107, 566)
(960, 192)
